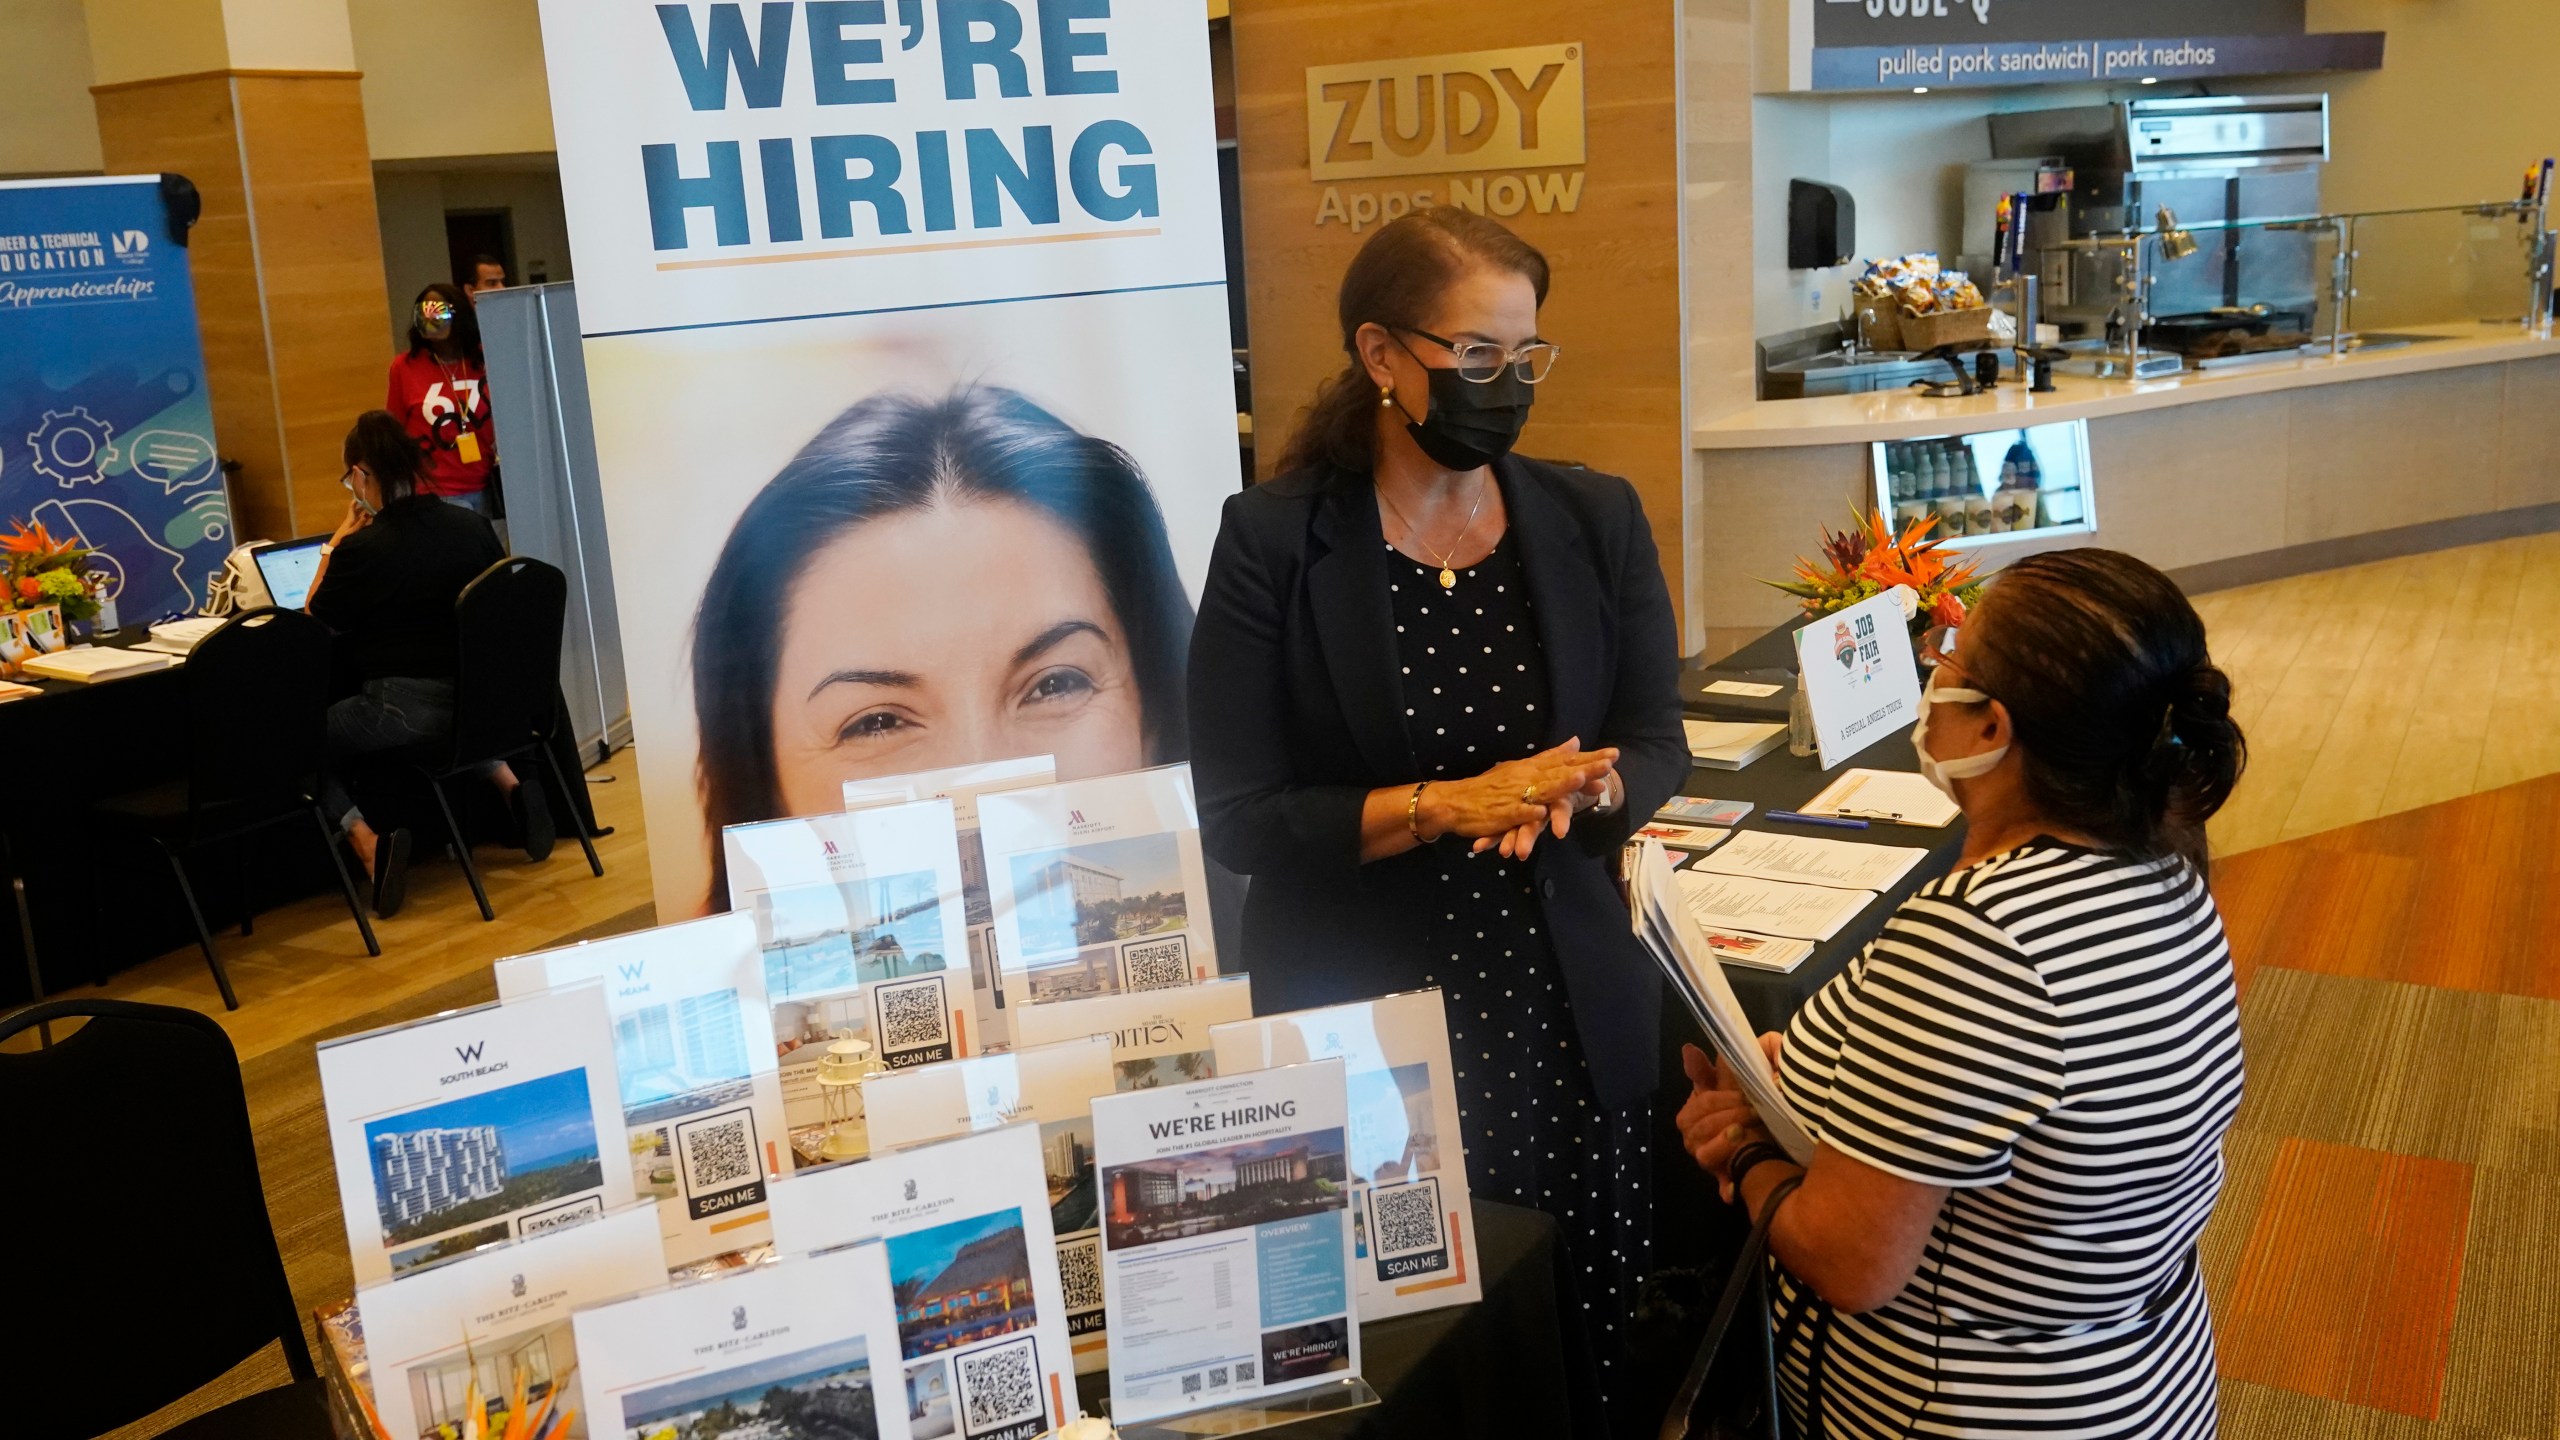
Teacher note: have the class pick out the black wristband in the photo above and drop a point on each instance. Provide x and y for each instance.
(1746, 1157)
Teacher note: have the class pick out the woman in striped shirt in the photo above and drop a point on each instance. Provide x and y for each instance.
(2019, 1091)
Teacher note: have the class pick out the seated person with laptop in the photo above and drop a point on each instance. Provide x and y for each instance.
(386, 583)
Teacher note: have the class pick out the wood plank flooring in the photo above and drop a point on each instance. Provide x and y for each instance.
(2382, 688)
(305, 971)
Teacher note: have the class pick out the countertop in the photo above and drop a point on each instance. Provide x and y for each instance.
(1906, 414)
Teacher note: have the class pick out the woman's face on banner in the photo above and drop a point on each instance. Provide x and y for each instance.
(950, 635)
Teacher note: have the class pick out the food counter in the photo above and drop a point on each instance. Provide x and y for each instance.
(2222, 477)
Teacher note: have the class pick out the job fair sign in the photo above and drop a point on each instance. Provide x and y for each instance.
(905, 325)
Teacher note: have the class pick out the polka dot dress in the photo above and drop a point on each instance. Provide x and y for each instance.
(1475, 691)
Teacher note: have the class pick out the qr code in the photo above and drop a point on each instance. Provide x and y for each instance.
(1244, 1371)
(1191, 1383)
(1217, 1377)
(999, 1385)
(912, 1016)
(1080, 1270)
(1156, 964)
(1406, 1219)
(720, 1152)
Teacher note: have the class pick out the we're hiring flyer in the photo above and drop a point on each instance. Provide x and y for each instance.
(1226, 1239)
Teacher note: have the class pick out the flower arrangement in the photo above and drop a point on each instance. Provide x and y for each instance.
(40, 570)
(1868, 559)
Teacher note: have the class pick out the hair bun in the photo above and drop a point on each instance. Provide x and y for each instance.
(2208, 750)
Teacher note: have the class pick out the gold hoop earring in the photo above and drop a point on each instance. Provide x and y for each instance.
(1386, 397)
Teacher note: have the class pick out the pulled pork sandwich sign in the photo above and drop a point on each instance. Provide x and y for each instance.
(1893, 44)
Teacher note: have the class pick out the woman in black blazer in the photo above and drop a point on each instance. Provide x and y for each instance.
(1433, 687)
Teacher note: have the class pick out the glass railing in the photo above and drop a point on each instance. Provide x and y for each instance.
(2368, 275)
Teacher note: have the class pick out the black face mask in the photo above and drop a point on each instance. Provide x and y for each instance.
(1469, 425)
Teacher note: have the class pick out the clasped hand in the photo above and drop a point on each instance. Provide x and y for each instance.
(1508, 806)
(1718, 1119)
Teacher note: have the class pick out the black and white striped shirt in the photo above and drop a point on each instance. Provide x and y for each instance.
(2054, 1035)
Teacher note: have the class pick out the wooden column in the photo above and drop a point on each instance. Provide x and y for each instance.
(1616, 400)
(287, 262)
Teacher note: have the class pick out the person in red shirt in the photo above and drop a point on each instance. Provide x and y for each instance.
(439, 389)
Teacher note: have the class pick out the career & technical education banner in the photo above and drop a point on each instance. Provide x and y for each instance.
(106, 434)
(977, 244)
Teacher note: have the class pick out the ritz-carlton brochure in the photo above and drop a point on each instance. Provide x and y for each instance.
(1098, 886)
(1052, 1087)
(966, 1226)
(1226, 1240)
(500, 1315)
(494, 1123)
(962, 785)
(693, 1044)
(861, 924)
(804, 1346)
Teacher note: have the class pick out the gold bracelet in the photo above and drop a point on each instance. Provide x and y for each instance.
(1413, 814)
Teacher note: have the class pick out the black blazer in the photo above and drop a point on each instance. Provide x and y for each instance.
(1297, 714)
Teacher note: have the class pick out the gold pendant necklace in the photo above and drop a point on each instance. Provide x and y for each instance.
(1448, 572)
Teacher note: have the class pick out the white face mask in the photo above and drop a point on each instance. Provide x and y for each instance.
(1944, 773)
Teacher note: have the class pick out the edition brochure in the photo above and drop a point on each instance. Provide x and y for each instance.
(973, 1264)
(805, 1348)
(1051, 1086)
(860, 922)
(693, 1046)
(475, 1126)
(962, 785)
(1226, 1240)
(1413, 1230)
(1158, 1037)
(501, 1316)
(1098, 886)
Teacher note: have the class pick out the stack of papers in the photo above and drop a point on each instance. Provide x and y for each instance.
(1900, 797)
(12, 690)
(1804, 860)
(179, 637)
(1681, 948)
(89, 663)
(1731, 744)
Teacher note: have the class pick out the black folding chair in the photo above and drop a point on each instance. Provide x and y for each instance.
(256, 728)
(135, 1294)
(506, 697)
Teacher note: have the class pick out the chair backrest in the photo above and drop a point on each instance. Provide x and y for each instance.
(141, 1253)
(506, 688)
(258, 704)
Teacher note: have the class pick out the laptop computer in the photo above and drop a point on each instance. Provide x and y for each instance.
(287, 567)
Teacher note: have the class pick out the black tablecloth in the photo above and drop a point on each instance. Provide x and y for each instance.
(100, 904)
(1506, 1366)
(1780, 781)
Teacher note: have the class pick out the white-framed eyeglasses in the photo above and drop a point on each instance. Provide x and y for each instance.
(1480, 361)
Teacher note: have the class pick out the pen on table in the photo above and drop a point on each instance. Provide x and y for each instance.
(1833, 821)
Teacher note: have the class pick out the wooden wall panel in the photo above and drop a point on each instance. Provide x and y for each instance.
(1614, 402)
(287, 262)
(320, 248)
(186, 126)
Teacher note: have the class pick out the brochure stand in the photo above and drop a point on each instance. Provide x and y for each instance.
(1246, 1417)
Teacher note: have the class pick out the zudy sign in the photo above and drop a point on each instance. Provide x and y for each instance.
(1504, 125)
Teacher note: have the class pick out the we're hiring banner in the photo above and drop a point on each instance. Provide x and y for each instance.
(106, 434)
(906, 334)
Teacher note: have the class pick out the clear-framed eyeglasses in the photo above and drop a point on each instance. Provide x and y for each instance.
(1480, 361)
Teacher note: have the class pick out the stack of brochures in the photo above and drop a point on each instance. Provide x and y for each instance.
(1680, 947)
(88, 664)
(1731, 744)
